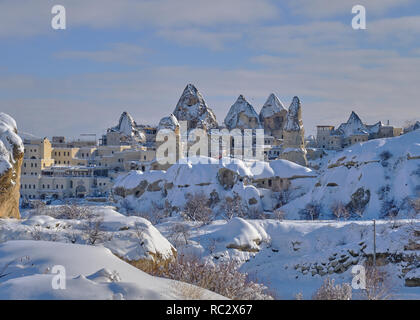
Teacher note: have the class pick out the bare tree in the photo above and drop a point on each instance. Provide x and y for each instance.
(331, 291)
(378, 283)
(312, 211)
(279, 214)
(74, 212)
(197, 209)
(340, 211)
(179, 231)
(233, 207)
(93, 229)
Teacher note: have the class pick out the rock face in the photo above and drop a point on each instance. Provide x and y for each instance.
(242, 115)
(353, 126)
(128, 129)
(170, 123)
(273, 116)
(192, 108)
(11, 157)
(294, 135)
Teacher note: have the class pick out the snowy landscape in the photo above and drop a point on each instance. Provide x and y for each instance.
(227, 150)
(215, 214)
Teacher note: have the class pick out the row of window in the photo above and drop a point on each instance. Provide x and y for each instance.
(32, 165)
(32, 186)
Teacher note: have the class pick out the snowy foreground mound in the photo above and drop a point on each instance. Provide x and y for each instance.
(90, 273)
(372, 179)
(131, 238)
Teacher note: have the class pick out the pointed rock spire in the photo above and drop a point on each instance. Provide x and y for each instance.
(272, 106)
(192, 108)
(242, 115)
(126, 124)
(294, 116)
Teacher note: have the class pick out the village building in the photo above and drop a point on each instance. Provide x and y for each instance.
(351, 132)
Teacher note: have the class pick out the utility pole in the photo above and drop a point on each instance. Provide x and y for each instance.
(374, 243)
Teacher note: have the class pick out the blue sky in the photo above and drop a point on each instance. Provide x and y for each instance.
(139, 55)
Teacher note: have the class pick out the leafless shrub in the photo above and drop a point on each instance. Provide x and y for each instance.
(178, 232)
(197, 209)
(157, 213)
(36, 232)
(255, 213)
(378, 283)
(72, 211)
(282, 197)
(340, 211)
(222, 278)
(189, 292)
(232, 207)
(93, 229)
(279, 214)
(311, 211)
(331, 291)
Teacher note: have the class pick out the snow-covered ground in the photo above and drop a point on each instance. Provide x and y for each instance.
(90, 273)
(290, 257)
(294, 257)
(32, 246)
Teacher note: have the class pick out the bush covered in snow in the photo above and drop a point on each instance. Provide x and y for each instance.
(223, 278)
(331, 291)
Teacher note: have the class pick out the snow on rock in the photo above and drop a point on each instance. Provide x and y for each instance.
(239, 234)
(220, 178)
(11, 157)
(353, 126)
(242, 115)
(294, 118)
(371, 179)
(271, 107)
(128, 127)
(90, 273)
(192, 108)
(130, 237)
(280, 168)
(169, 122)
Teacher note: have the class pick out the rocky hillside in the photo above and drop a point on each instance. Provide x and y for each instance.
(375, 179)
(11, 157)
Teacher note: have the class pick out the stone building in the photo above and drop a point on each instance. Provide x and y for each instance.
(351, 132)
